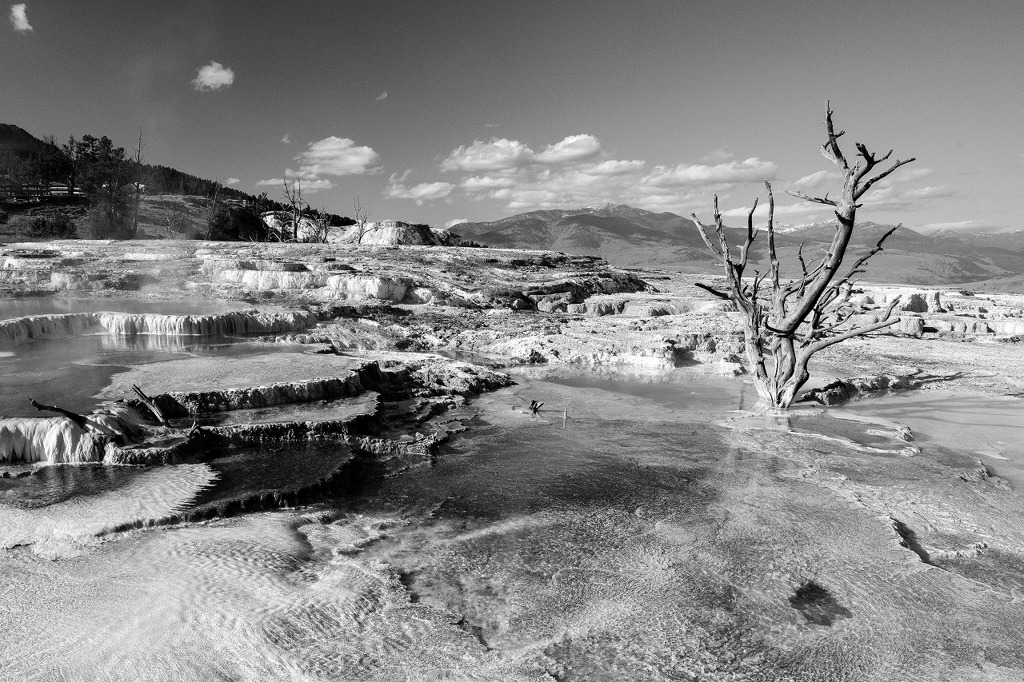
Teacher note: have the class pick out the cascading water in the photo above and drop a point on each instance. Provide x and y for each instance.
(59, 440)
(19, 330)
(54, 440)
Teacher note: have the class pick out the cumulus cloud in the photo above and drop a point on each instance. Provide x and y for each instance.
(308, 185)
(818, 179)
(505, 154)
(804, 209)
(453, 222)
(487, 182)
(911, 174)
(497, 154)
(383, 95)
(891, 198)
(576, 171)
(213, 76)
(423, 192)
(691, 175)
(572, 148)
(335, 156)
(287, 139)
(331, 156)
(612, 167)
(940, 192)
(232, 181)
(19, 18)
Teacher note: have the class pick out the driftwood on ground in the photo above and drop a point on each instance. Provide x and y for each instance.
(151, 404)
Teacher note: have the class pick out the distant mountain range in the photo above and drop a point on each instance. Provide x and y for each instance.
(632, 237)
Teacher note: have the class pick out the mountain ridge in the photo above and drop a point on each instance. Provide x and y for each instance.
(632, 237)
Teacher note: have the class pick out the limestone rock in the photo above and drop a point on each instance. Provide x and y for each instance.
(389, 233)
(910, 325)
(914, 303)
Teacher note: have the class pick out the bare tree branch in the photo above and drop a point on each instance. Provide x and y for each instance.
(702, 229)
(886, 321)
(818, 200)
(711, 290)
(867, 185)
(153, 407)
(78, 419)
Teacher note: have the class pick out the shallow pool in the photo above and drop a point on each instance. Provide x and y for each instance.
(635, 527)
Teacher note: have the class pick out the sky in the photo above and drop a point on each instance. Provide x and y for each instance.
(442, 111)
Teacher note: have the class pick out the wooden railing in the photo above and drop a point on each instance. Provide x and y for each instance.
(14, 191)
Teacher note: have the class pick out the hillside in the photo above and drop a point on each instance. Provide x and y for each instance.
(174, 205)
(620, 234)
(18, 139)
(631, 237)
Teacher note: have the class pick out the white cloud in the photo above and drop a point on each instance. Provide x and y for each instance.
(572, 148)
(308, 186)
(423, 192)
(494, 155)
(940, 192)
(19, 18)
(232, 181)
(505, 154)
(802, 209)
(453, 222)
(383, 95)
(213, 76)
(492, 125)
(485, 182)
(287, 139)
(816, 180)
(582, 183)
(910, 174)
(890, 198)
(329, 157)
(693, 175)
(577, 172)
(612, 167)
(335, 156)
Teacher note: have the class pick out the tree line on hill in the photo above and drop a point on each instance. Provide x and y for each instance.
(112, 183)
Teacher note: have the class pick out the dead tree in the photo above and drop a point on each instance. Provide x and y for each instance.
(296, 206)
(785, 326)
(211, 210)
(361, 217)
(137, 187)
(318, 226)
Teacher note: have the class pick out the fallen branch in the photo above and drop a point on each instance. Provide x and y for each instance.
(78, 419)
(157, 412)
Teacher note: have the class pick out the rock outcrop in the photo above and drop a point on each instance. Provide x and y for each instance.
(392, 233)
